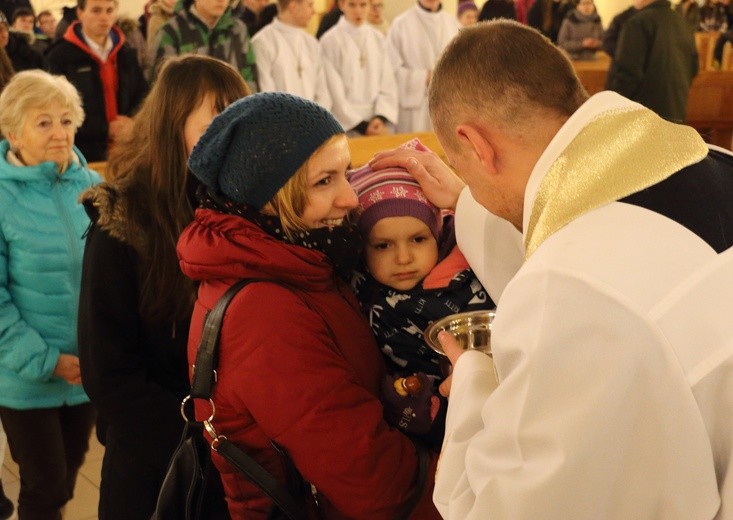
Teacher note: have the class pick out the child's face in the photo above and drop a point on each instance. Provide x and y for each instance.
(329, 195)
(468, 17)
(355, 11)
(400, 252)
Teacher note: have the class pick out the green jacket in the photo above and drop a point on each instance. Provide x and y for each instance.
(655, 61)
(228, 40)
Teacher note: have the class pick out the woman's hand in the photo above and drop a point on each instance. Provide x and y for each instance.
(437, 180)
(67, 368)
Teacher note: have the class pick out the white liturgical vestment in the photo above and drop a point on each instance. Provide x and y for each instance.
(359, 74)
(612, 342)
(289, 60)
(415, 40)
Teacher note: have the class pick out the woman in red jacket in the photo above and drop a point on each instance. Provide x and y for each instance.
(298, 363)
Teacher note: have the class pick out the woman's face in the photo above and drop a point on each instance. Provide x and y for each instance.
(198, 121)
(329, 196)
(586, 7)
(47, 135)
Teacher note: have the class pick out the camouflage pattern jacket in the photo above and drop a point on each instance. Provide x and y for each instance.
(228, 40)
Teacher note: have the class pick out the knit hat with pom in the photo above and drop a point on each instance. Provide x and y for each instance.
(392, 192)
(257, 143)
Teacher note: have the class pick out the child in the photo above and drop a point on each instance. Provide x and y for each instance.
(467, 13)
(288, 58)
(414, 272)
(359, 73)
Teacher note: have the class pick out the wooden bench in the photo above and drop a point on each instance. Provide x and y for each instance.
(364, 148)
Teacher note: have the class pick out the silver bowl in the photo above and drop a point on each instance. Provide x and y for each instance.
(472, 330)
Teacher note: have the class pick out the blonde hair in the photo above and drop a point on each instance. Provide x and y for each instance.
(290, 200)
(36, 89)
(501, 71)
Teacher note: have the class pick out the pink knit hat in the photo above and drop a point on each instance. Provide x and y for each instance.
(392, 192)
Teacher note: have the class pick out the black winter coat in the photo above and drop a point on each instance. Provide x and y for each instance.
(134, 371)
(82, 70)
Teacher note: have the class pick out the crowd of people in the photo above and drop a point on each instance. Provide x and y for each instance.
(596, 227)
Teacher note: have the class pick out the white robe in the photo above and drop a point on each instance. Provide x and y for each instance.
(359, 74)
(613, 343)
(415, 40)
(289, 60)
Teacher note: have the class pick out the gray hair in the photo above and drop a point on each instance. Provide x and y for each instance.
(36, 89)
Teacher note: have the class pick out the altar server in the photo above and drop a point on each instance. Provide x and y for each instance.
(359, 73)
(288, 58)
(415, 40)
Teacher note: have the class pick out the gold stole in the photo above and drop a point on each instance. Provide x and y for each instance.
(637, 149)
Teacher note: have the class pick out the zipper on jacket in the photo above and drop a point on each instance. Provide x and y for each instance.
(73, 242)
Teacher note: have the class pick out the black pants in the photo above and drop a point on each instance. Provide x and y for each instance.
(49, 446)
(722, 40)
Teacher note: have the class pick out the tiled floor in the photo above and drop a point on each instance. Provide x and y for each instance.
(86, 494)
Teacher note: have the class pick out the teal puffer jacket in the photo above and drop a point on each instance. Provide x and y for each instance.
(41, 247)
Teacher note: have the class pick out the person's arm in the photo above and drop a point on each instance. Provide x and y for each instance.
(412, 82)
(322, 93)
(387, 103)
(22, 349)
(166, 44)
(112, 346)
(627, 69)
(565, 38)
(264, 61)
(586, 413)
(332, 59)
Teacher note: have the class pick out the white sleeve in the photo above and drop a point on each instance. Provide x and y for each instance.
(322, 94)
(411, 82)
(332, 61)
(492, 246)
(387, 103)
(593, 416)
(264, 58)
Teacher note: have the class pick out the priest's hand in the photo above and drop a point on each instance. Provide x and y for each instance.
(453, 350)
(437, 180)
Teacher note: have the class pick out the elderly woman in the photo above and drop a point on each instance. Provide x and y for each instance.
(45, 412)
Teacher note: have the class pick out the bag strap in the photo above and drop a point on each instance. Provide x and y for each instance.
(204, 369)
(202, 381)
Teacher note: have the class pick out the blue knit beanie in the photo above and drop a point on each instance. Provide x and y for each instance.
(257, 143)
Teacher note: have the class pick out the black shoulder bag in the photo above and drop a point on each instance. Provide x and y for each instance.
(192, 488)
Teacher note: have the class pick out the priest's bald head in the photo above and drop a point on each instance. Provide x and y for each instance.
(499, 93)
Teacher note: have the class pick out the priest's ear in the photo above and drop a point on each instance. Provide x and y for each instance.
(477, 146)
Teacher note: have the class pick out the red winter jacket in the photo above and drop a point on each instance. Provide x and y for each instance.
(298, 365)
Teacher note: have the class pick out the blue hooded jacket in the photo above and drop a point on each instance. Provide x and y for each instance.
(41, 248)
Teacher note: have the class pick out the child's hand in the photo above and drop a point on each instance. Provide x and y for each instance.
(412, 414)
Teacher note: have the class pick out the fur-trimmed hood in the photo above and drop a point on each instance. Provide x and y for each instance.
(106, 205)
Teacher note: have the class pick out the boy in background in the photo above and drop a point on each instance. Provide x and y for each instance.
(288, 58)
(359, 73)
